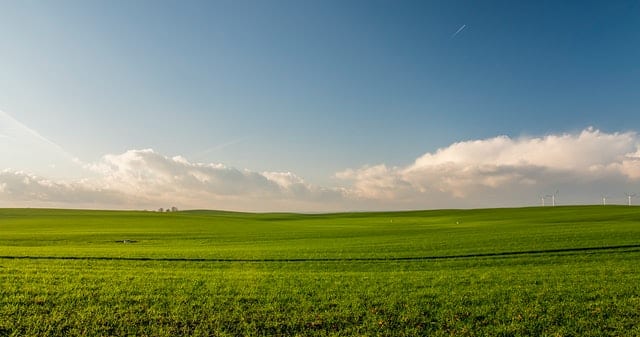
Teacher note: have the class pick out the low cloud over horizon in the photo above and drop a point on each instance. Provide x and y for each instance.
(493, 172)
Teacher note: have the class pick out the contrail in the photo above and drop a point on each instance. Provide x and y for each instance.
(458, 31)
(20, 126)
(220, 147)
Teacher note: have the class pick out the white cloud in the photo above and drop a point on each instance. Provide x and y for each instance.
(21, 189)
(499, 171)
(174, 179)
(375, 182)
(590, 148)
(147, 179)
(474, 173)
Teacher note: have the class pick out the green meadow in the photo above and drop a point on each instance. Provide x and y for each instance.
(552, 271)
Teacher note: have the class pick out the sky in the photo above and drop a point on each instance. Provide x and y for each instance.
(316, 106)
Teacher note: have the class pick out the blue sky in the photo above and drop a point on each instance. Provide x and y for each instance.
(313, 87)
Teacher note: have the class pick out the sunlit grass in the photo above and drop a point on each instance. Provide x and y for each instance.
(567, 293)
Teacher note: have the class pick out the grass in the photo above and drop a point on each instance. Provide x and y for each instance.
(563, 271)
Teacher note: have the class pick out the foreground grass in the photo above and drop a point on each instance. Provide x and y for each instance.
(573, 293)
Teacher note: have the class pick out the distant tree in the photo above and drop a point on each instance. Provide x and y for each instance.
(168, 210)
(174, 209)
(160, 209)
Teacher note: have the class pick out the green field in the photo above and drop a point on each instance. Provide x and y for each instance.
(553, 271)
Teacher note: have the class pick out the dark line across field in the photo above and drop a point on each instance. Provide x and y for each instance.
(625, 248)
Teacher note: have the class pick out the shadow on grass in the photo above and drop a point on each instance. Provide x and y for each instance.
(618, 248)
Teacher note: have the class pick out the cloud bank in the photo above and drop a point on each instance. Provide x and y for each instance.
(505, 171)
(147, 179)
(493, 172)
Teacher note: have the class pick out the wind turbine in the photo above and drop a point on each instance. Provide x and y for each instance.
(553, 197)
(604, 200)
(542, 199)
(629, 196)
